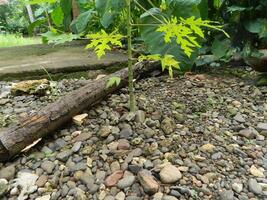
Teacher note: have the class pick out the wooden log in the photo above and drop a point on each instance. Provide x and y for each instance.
(57, 114)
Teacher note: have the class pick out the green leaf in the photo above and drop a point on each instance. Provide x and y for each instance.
(56, 38)
(113, 81)
(253, 26)
(83, 20)
(35, 24)
(236, 8)
(32, 2)
(184, 8)
(57, 16)
(220, 48)
(66, 6)
(102, 41)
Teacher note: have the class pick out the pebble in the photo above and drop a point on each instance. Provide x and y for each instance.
(113, 179)
(126, 182)
(170, 174)
(3, 187)
(64, 155)
(48, 166)
(148, 182)
(254, 186)
(8, 172)
(227, 195)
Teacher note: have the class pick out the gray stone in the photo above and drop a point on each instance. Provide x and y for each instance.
(237, 187)
(126, 182)
(262, 126)
(120, 196)
(227, 195)
(126, 133)
(239, 118)
(3, 187)
(8, 172)
(76, 147)
(254, 186)
(148, 182)
(64, 155)
(247, 133)
(48, 166)
(104, 131)
(168, 197)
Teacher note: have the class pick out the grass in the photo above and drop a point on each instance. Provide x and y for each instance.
(10, 40)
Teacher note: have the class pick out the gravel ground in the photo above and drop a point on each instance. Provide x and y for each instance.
(196, 137)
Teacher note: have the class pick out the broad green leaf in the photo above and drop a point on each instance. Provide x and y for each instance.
(32, 2)
(236, 8)
(35, 24)
(66, 6)
(113, 81)
(253, 26)
(184, 8)
(57, 16)
(82, 21)
(220, 48)
(56, 38)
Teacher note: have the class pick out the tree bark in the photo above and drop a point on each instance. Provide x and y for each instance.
(57, 114)
(30, 13)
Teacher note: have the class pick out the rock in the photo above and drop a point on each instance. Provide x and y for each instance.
(148, 182)
(168, 197)
(41, 181)
(237, 187)
(126, 182)
(64, 155)
(120, 196)
(239, 118)
(3, 187)
(80, 194)
(168, 125)
(79, 119)
(170, 174)
(262, 126)
(123, 144)
(247, 133)
(254, 186)
(82, 137)
(256, 172)
(46, 197)
(8, 172)
(76, 147)
(104, 131)
(158, 196)
(48, 166)
(227, 195)
(113, 179)
(126, 133)
(140, 116)
(115, 166)
(30, 87)
(207, 148)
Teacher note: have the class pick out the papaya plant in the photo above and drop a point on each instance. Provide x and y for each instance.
(172, 31)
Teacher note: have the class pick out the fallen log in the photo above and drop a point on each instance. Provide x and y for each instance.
(50, 118)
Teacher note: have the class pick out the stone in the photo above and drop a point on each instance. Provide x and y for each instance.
(41, 181)
(3, 187)
(254, 186)
(64, 155)
(83, 137)
(262, 126)
(170, 174)
(104, 131)
(123, 144)
(113, 179)
(120, 196)
(79, 119)
(76, 147)
(140, 116)
(48, 166)
(256, 172)
(239, 118)
(237, 187)
(169, 197)
(46, 197)
(168, 126)
(126, 133)
(148, 182)
(126, 182)
(208, 148)
(227, 195)
(8, 172)
(247, 133)
(30, 87)
(158, 196)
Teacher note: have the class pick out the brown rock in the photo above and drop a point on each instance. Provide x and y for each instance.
(113, 179)
(148, 182)
(41, 181)
(123, 144)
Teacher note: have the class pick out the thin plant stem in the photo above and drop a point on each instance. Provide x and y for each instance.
(130, 61)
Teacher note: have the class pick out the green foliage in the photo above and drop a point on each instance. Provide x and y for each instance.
(57, 16)
(52, 37)
(82, 22)
(113, 81)
(102, 41)
(167, 62)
